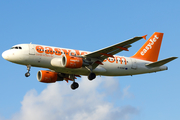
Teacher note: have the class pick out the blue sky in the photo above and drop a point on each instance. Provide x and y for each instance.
(89, 25)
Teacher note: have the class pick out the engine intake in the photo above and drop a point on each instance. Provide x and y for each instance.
(47, 76)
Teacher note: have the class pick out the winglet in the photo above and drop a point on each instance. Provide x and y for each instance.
(144, 37)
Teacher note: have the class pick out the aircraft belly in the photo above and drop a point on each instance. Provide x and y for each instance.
(77, 71)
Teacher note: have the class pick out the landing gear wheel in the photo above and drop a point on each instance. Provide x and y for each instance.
(74, 85)
(92, 76)
(27, 74)
(28, 69)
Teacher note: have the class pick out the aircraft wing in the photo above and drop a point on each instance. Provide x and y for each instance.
(104, 53)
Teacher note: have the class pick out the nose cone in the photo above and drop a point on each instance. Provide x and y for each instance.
(5, 55)
(12, 55)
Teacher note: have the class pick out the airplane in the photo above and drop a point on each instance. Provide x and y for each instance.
(68, 64)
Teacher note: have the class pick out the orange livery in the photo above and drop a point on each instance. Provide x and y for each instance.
(68, 64)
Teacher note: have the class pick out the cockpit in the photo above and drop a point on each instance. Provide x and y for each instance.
(16, 47)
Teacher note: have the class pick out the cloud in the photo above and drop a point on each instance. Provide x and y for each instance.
(126, 93)
(59, 102)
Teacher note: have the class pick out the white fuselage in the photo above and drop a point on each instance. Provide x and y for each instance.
(29, 54)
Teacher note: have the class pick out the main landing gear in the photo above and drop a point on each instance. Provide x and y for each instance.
(67, 77)
(74, 85)
(72, 77)
(92, 76)
(28, 69)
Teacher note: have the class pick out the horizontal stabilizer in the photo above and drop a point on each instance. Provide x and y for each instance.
(161, 62)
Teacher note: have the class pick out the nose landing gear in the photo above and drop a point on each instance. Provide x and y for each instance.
(28, 69)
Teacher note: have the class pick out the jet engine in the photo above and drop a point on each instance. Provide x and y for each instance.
(69, 62)
(73, 62)
(47, 76)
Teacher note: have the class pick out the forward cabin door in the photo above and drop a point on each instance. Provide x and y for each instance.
(31, 49)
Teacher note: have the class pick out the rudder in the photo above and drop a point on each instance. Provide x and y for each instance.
(150, 50)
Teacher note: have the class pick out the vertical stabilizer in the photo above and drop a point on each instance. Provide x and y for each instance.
(150, 50)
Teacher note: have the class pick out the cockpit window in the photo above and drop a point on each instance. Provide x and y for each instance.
(16, 47)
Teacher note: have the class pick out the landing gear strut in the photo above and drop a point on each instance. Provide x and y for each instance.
(92, 75)
(28, 69)
(74, 85)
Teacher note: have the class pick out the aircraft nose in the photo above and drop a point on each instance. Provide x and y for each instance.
(5, 55)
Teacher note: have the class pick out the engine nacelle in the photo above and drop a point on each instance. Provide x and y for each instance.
(47, 76)
(68, 62)
(73, 62)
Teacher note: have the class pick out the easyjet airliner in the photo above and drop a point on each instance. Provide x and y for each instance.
(68, 64)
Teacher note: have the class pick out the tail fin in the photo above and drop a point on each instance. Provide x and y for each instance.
(150, 50)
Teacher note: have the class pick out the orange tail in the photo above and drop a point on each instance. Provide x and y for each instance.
(150, 50)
